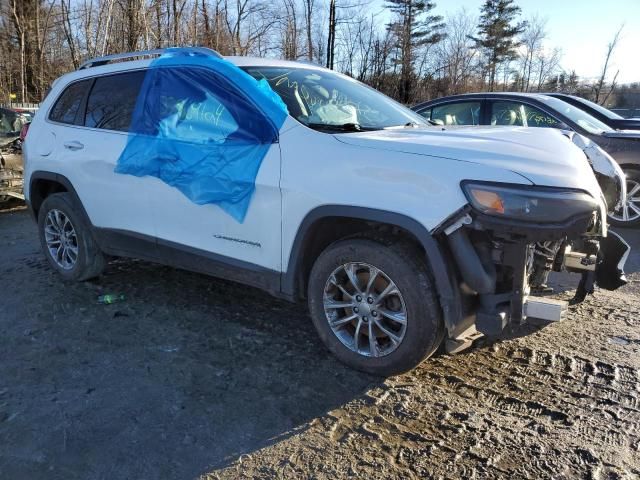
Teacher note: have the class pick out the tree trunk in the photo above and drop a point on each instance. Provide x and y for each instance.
(331, 39)
(308, 14)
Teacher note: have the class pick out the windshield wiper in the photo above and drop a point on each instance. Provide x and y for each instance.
(407, 125)
(344, 127)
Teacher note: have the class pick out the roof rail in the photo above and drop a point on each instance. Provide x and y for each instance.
(98, 61)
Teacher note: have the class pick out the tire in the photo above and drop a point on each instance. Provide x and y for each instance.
(398, 262)
(89, 260)
(633, 181)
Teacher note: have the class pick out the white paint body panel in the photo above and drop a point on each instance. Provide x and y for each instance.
(321, 169)
(207, 227)
(412, 171)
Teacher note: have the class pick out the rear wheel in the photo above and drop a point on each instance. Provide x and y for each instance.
(66, 239)
(628, 215)
(374, 305)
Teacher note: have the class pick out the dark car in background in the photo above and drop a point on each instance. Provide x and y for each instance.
(603, 114)
(543, 111)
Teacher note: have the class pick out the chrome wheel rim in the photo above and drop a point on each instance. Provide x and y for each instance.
(61, 239)
(630, 209)
(365, 309)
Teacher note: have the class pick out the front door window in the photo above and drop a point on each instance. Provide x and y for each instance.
(520, 114)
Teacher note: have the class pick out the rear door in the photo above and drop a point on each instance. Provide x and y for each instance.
(88, 145)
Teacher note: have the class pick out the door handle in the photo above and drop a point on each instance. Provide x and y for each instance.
(75, 145)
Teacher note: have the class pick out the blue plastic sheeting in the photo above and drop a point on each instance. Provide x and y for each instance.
(203, 126)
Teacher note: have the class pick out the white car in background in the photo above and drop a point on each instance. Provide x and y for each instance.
(398, 234)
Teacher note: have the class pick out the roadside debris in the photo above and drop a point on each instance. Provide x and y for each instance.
(10, 185)
(110, 298)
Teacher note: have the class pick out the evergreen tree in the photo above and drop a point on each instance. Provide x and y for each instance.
(497, 34)
(413, 28)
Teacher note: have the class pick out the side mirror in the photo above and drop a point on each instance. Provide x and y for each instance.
(437, 122)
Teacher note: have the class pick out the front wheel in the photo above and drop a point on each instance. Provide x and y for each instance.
(374, 305)
(628, 215)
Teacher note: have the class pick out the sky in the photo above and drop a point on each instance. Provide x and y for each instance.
(581, 28)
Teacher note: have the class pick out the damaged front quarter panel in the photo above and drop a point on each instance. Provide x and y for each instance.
(503, 261)
(610, 176)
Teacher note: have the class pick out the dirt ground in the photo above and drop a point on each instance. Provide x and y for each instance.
(196, 377)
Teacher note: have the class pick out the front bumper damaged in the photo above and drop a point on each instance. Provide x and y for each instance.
(500, 261)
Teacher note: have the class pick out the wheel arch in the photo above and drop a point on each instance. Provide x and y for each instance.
(43, 183)
(306, 247)
(631, 165)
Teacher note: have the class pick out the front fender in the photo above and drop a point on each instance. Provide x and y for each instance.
(435, 256)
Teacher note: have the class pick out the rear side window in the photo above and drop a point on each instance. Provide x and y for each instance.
(112, 100)
(458, 113)
(68, 104)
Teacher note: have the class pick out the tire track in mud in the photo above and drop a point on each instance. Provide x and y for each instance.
(502, 411)
(604, 383)
(595, 402)
(510, 411)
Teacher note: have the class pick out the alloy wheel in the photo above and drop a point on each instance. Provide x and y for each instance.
(630, 209)
(365, 309)
(61, 239)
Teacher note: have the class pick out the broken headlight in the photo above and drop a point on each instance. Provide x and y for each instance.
(533, 204)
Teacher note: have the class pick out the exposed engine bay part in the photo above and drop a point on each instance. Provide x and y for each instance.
(578, 262)
(546, 309)
(544, 256)
(614, 252)
(474, 262)
(462, 341)
(502, 267)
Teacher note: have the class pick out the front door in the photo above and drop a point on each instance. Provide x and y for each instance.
(216, 194)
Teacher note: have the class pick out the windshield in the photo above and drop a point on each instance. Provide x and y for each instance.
(324, 100)
(580, 117)
(599, 108)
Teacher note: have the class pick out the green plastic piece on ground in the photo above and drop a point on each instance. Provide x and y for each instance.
(108, 299)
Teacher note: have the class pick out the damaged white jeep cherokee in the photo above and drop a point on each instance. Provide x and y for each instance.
(399, 234)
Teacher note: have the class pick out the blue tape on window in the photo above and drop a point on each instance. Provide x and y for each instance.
(203, 126)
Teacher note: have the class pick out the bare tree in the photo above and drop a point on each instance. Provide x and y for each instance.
(547, 65)
(414, 59)
(532, 39)
(331, 37)
(289, 29)
(456, 54)
(68, 31)
(598, 88)
(308, 16)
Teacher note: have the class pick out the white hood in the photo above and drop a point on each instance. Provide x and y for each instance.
(544, 156)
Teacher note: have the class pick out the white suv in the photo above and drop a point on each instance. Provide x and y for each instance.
(399, 234)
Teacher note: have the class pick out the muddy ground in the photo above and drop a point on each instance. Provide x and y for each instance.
(196, 377)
